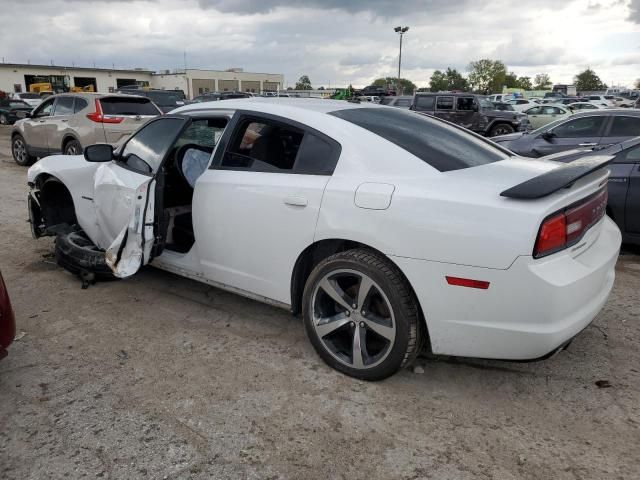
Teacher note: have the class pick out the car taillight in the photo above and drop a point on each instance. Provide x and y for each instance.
(566, 227)
(99, 117)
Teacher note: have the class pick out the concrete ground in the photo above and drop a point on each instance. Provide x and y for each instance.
(163, 377)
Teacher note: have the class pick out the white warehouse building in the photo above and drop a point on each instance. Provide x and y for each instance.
(16, 77)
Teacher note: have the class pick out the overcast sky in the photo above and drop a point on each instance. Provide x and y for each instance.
(335, 42)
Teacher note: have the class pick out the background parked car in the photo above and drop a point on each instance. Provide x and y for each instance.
(33, 99)
(601, 100)
(582, 130)
(474, 112)
(403, 101)
(521, 104)
(505, 107)
(541, 115)
(7, 320)
(584, 106)
(166, 100)
(624, 184)
(67, 123)
(9, 110)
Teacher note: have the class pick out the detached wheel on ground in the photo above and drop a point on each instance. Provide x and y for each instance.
(72, 147)
(361, 315)
(501, 129)
(4, 120)
(20, 152)
(77, 254)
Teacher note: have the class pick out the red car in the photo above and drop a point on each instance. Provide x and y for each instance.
(7, 320)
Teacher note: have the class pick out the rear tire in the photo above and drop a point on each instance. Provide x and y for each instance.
(501, 129)
(77, 254)
(368, 335)
(72, 147)
(20, 152)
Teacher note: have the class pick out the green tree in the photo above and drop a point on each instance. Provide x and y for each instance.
(303, 83)
(511, 80)
(487, 76)
(542, 82)
(407, 87)
(446, 81)
(588, 81)
(525, 83)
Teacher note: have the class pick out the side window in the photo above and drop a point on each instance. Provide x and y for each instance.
(79, 104)
(145, 151)
(534, 111)
(522, 102)
(204, 133)
(45, 108)
(263, 146)
(625, 127)
(631, 155)
(64, 106)
(269, 146)
(425, 103)
(464, 103)
(580, 127)
(444, 103)
(403, 102)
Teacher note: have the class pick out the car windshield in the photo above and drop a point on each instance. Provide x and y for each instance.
(31, 96)
(485, 103)
(445, 147)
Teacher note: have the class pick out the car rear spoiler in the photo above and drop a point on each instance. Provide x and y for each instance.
(557, 179)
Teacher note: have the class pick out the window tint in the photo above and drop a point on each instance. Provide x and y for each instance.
(522, 102)
(269, 146)
(64, 106)
(45, 108)
(534, 111)
(580, 127)
(127, 106)
(444, 103)
(145, 151)
(464, 103)
(625, 127)
(403, 102)
(425, 103)
(442, 146)
(80, 104)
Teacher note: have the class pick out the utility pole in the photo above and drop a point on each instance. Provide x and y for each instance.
(400, 31)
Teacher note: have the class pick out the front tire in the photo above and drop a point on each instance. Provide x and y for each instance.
(501, 129)
(361, 315)
(76, 253)
(20, 152)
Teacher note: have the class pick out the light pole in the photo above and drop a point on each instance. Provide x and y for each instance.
(400, 31)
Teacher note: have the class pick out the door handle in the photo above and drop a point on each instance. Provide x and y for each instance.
(64, 120)
(295, 200)
(587, 144)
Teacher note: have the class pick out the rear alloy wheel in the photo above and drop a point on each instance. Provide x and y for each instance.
(73, 147)
(4, 120)
(20, 152)
(501, 129)
(361, 316)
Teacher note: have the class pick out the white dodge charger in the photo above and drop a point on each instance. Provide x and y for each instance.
(385, 229)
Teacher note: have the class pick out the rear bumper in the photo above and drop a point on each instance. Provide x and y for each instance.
(528, 311)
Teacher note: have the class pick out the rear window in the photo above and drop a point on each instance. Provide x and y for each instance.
(127, 106)
(442, 146)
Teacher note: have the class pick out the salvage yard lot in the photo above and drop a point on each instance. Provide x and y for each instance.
(162, 377)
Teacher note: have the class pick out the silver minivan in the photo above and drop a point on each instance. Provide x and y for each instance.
(68, 122)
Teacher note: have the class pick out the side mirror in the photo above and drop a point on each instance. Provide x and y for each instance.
(23, 114)
(548, 135)
(100, 152)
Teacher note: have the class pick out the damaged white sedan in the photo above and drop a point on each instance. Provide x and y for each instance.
(387, 230)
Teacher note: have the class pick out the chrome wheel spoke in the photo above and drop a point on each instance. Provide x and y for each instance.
(359, 347)
(325, 326)
(363, 291)
(332, 289)
(379, 326)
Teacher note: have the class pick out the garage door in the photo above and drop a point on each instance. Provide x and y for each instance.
(253, 87)
(228, 85)
(202, 86)
(270, 86)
